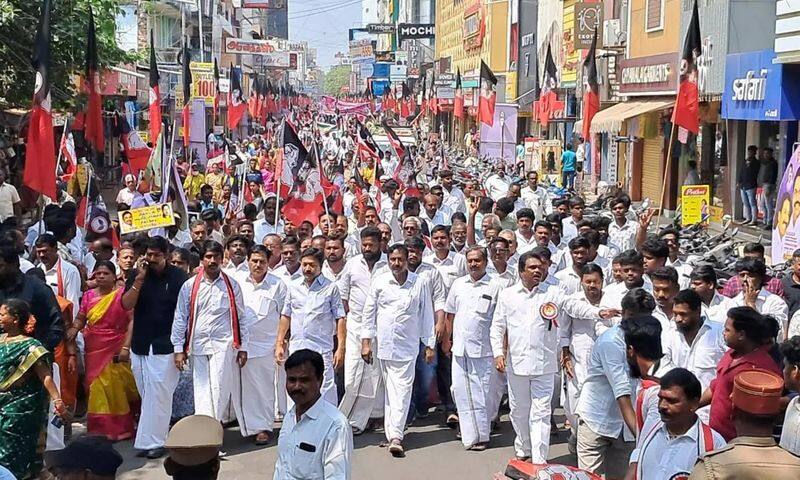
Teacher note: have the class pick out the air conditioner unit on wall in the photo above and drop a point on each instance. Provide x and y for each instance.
(613, 36)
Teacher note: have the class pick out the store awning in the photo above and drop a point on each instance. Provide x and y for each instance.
(610, 120)
(577, 127)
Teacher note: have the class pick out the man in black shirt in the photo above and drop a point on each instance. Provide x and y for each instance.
(747, 182)
(152, 291)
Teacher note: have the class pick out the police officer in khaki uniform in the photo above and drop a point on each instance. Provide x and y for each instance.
(753, 454)
(193, 445)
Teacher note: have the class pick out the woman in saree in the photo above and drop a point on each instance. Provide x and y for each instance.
(26, 382)
(107, 329)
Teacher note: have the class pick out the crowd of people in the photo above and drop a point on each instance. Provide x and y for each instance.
(466, 294)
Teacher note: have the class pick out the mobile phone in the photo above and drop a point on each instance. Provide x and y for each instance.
(57, 422)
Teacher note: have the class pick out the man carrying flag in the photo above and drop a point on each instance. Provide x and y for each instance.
(687, 105)
(154, 94)
(40, 163)
(547, 97)
(187, 95)
(94, 116)
(591, 95)
(458, 101)
(299, 180)
(236, 105)
(488, 96)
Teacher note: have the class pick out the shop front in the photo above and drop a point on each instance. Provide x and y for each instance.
(761, 107)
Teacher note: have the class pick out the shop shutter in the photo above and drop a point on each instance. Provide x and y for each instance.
(653, 169)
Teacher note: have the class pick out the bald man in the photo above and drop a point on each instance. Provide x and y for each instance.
(100, 249)
(433, 213)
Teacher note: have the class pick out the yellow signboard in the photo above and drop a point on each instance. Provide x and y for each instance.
(145, 218)
(202, 84)
(695, 204)
(570, 54)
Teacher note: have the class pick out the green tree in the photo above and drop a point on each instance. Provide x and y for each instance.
(337, 77)
(69, 22)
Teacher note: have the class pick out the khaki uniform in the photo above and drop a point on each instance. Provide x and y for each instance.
(747, 458)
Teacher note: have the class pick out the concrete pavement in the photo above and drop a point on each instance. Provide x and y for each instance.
(432, 452)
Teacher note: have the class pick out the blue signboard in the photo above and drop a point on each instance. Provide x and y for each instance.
(757, 89)
(380, 70)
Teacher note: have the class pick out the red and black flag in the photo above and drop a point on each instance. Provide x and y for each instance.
(404, 104)
(300, 182)
(154, 96)
(215, 112)
(253, 101)
(94, 115)
(433, 101)
(458, 101)
(395, 142)
(591, 90)
(687, 105)
(186, 73)
(40, 164)
(236, 105)
(488, 96)
(272, 106)
(547, 96)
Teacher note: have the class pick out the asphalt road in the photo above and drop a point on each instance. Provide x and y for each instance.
(432, 452)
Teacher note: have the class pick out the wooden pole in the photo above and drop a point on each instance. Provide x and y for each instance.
(667, 166)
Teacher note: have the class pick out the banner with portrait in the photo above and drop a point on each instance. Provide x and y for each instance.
(145, 218)
(786, 224)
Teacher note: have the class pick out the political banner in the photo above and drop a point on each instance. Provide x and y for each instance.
(695, 200)
(786, 225)
(145, 218)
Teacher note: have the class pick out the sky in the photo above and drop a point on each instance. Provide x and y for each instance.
(324, 24)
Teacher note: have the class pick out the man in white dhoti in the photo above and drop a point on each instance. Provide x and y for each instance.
(211, 325)
(314, 311)
(399, 314)
(288, 270)
(476, 384)
(530, 312)
(264, 296)
(363, 394)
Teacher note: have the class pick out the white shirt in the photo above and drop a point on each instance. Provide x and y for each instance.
(354, 284)
(70, 282)
(435, 285)
(768, 304)
(701, 357)
(523, 244)
(607, 380)
(126, 196)
(717, 310)
(283, 273)
(536, 200)
(568, 230)
(454, 200)
(328, 272)
(624, 237)
(790, 436)
(496, 187)
(8, 197)
(452, 267)
(314, 310)
(399, 316)
(578, 332)
(323, 429)
(662, 456)
(441, 217)
(473, 304)
(532, 339)
(262, 228)
(264, 302)
(509, 275)
(612, 298)
(212, 331)
(24, 265)
(182, 237)
(569, 280)
(684, 272)
(232, 269)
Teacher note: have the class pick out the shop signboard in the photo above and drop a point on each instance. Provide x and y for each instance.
(588, 16)
(653, 75)
(202, 84)
(251, 47)
(695, 201)
(361, 50)
(416, 30)
(378, 28)
(786, 226)
(570, 52)
(757, 89)
(398, 73)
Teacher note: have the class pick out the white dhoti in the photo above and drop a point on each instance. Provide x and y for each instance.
(398, 377)
(55, 435)
(569, 400)
(254, 399)
(363, 386)
(529, 397)
(475, 387)
(280, 392)
(215, 376)
(156, 379)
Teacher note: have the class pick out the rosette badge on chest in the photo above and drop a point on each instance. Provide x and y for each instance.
(549, 312)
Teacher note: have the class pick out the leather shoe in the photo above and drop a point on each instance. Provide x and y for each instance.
(156, 453)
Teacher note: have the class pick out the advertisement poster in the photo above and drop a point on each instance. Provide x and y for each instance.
(695, 200)
(500, 140)
(145, 218)
(786, 226)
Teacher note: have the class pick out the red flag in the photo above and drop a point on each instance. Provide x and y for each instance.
(395, 142)
(40, 157)
(591, 95)
(686, 113)
(136, 150)
(187, 94)
(458, 101)
(68, 153)
(253, 103)
(94, 115)
(154, 94)
(488, 97)
(236, 105)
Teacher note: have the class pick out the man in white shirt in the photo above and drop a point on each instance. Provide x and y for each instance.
(496, 184)
(62, 276)
(570, 277)
(669, 445)
(314, 311)
(453, 199)
(715, 305)
(529, 313)
(267, 225)
(476, 384)
(211, 324)
(315, 439)
(751, 272)
(265, 294)
(526, 238)
(432, 213)
(535, 196)
(695, 343)
(633, 277)
(334, 257)
(451, 265)
(622, 232)
(569, 226)
(236, 248)
(498, 266)
(399, 314)
(128, 192)
(363, 386)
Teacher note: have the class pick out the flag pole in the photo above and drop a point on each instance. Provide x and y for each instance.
(319, 163)
(278, 178)
(58, 159)
(666, 173)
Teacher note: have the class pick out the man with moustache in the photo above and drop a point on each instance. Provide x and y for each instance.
(236, 247)
(334, 258)
(265, 294)
(665, 287)
(631, 263)
(363, 397)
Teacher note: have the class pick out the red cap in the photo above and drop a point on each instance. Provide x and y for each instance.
(758, 392)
